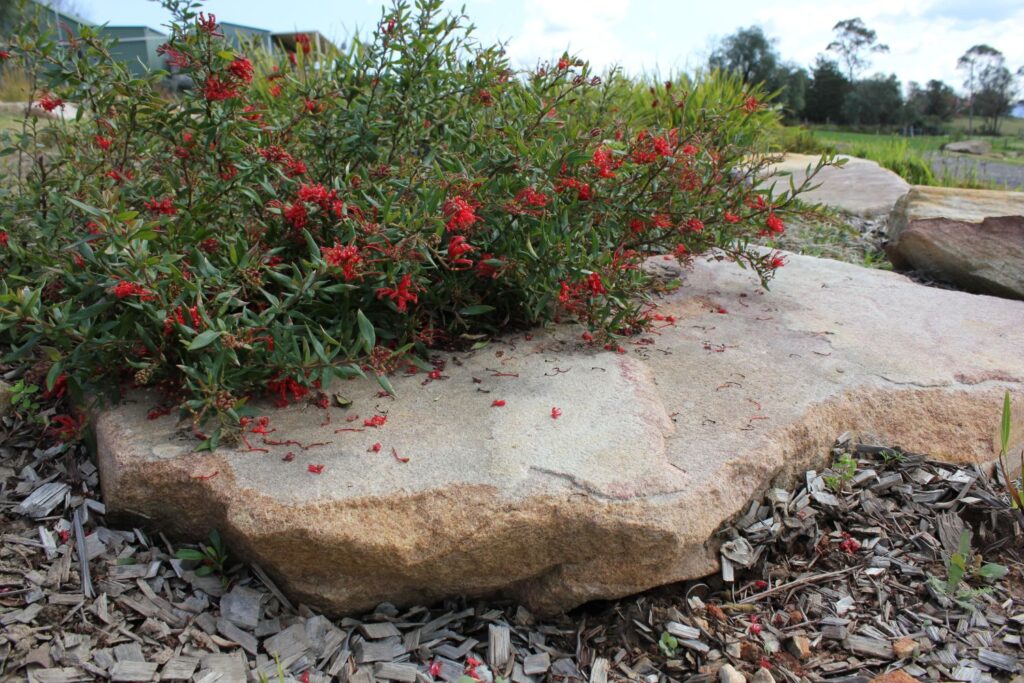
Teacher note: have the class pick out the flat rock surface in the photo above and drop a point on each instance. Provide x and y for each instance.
(654, 449)
(972, 238)
(859, 187)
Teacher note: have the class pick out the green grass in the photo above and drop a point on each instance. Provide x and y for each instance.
(1005, 148)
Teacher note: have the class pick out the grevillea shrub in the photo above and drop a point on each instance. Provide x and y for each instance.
(291, 220)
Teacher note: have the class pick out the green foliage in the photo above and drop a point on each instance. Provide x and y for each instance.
(962, 565)
(668, 644)
(843, 471)
(212, 558)
(826, 93)
(876, 101)
(852, 43)
(291, 221)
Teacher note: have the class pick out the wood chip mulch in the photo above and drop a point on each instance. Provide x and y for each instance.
(829, 581)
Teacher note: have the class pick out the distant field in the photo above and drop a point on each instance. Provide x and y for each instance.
(1005, 148)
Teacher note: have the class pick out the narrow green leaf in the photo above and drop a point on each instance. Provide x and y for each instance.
(204, 339)
(366, 331)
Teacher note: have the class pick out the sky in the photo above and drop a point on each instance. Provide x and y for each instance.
(925, 37)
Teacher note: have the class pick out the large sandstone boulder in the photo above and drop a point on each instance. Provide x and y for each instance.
(653, 450)
(860, 187)
(971, 238)
(968, 147)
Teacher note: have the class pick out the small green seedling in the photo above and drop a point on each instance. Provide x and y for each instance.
(1016, 495)
(668, 644)
(961, 565)
(213, 557)
(844, 468)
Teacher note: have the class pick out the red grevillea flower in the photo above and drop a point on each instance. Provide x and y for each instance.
(315, 469)
(751, 104)
(498, 403)
(487, 270)
(777, 261)
(302, 41)
(345, 257)
(4, 55)
(174, 58)
(457, 249)
(124, 289)
(207, 25)
(178, 316)
(216, 89)
(461, 214)
(563, 63)
(555, 413)
(775, 224)
(730, 217)
(296, 215)
(604, 163)
(120, 175)
(375, 421)
(49, 102)
(689, 150)
(695, 225)
(241, 68)
(402, 295)
(528, 196)
(4, 238)
(661, 220)
(163, 206)
(102, 142)
(65, 427)
(595, 285)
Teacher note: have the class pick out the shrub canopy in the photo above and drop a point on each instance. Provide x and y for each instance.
(291, 219)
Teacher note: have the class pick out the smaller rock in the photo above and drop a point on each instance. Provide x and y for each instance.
(968, 147)
(905, 648)
(799, 647)
(729, 674)
(894, 677)
(762, 675)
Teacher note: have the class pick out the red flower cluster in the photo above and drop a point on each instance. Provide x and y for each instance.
(207, 25)
(4, 238)
(283, 387)
(488, 270)
(402, 295)
(49, 102)
(751, 105)
(345, 257)
(163, 206)
(124, 289)
(102, 142)
(583, 192)
(695, 225)
(302, 42)
(241, 68)
(178, 316)
(217, 89)
(457, 249)
(604, 162)
(461, 214)
(775, 224)
(4, 55)
(174, 58)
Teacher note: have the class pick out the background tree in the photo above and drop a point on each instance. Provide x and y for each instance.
(748, 52)
(973, 63)
(852, 43)
(826, 92)
(928, 108)
(994, 97)
(752, 55)
(876, 101)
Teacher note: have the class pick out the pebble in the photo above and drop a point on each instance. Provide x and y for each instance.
(762, 676)
(904, 648)
(729, 674)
